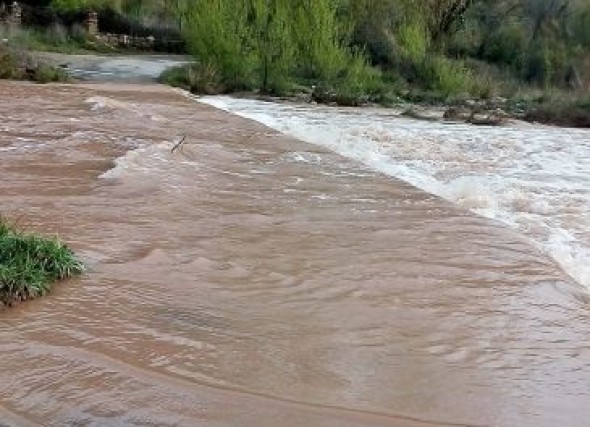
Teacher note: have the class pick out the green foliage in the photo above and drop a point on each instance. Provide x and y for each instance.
(413, 40)
(273, 40)
(75, 5)
(505, 46)
(8, 66)
(349, 49)
(47, 74)
(29, 264)
(356, 86)
(197, 78)
(55, 38)
(18, 65)
(446, 76)
(580, 25)
(271, 44)
(321, 40)
(219, 35)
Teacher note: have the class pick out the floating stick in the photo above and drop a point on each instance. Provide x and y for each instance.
(178, 144)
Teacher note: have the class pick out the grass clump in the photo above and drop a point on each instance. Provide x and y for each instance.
(196, 78)
(30, 264)
(17, 65)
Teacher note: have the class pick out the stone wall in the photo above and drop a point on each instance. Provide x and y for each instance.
(121, 40)
(124, 40)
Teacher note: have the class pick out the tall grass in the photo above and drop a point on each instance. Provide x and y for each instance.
(29, 264)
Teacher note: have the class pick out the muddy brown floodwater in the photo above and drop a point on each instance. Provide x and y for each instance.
(231, 284)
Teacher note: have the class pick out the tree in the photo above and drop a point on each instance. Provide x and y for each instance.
(76, 5)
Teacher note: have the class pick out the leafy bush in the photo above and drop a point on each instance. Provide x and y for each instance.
(48, 74)
(413, 40)
(357, 86)
(507, 45)
(445, 76)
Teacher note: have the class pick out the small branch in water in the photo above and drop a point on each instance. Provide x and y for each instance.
(178, 144)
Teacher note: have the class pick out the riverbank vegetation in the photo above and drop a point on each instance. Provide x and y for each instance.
(510, 54)
(528, 57)
(30, 264)
(16, 64)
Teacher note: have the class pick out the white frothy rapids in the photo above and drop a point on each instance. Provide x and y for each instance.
(535, 179)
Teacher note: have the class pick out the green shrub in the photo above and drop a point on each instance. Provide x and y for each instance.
(507, 45)
(176, 77)
(29, 264)
(19, 66)
(321, 42)
(8, 66)
(48, 74)
(413, 40)
(445, 76)
(357, 85)
(196, 78)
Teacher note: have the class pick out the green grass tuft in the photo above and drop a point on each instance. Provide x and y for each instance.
(196, 78)
(18, 65)
(29, 264)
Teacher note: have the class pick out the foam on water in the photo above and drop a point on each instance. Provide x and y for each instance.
(103, 103)
(535, 179)
(143, 160)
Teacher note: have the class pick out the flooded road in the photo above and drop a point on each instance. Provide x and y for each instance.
(250, 279)
(114, 68)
